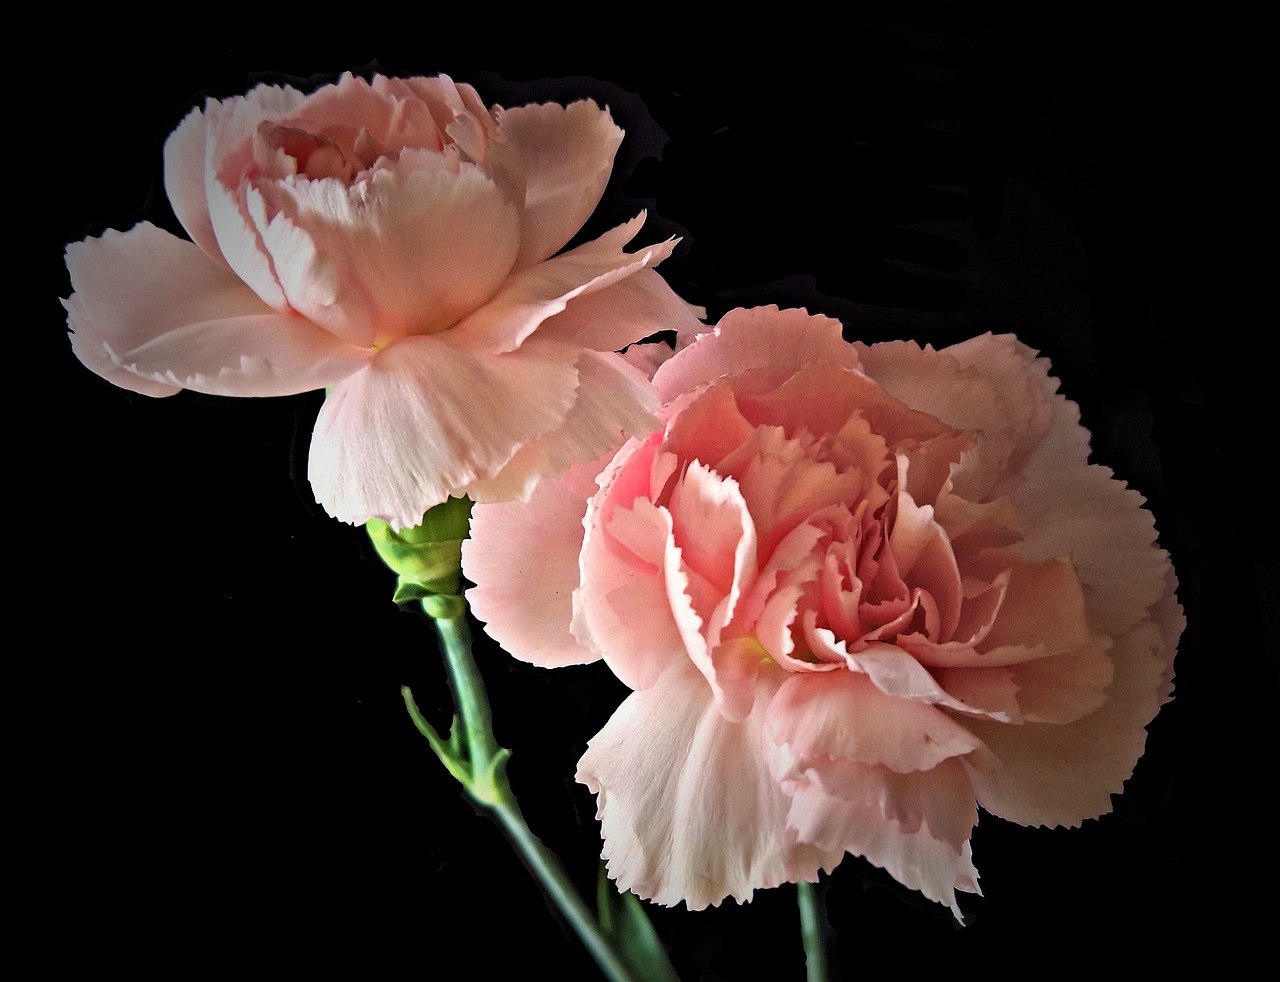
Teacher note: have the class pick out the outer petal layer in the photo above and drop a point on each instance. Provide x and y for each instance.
(424, 420)
(688, 808)
(523, 558)
(565, 155)
(154, 314)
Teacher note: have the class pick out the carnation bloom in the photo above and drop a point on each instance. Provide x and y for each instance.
(858, 591)
(389, 239)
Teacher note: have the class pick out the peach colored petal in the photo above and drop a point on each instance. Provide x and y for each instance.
(1064, 687)
(785, 486)
(424, 419)
(153, 313)
(987, 385)
(1028, 611)
(915, 826)
(761, 337)
(613, 400)
(822, 397)
(398, 254)
(925, 560)
(1086, 513)
(990, 692)
(688, 808)
(1054, 774)
(523, 558)
(707, 426)
(843, 715)
(564, 155)
(1043, 608)
(1053, 438)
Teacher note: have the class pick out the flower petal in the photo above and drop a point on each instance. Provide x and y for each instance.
(613, 400)
(688, 808)
(185, 160)
(565, 155)
(760, 337)
(423, 420)
(1061, 774)
(915, 826)
(625, 311)
(1085, 513)
(409, 251)
(231, 201)
(523, 558)
(153, 313)
(843, 715)
(530, 297)
(992, 385)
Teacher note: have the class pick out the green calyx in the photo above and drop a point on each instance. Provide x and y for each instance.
(427, 559)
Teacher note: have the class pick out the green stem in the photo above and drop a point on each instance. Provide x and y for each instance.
(474, 715)
(811, 932)
(482, 773)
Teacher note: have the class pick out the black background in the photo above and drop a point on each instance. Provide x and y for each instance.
(214, 773)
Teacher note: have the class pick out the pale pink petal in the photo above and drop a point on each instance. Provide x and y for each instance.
(446, 105)
(528, 298)
(613, 400)
(898, 674)
(185, 163)
(844, 715)
(688, 808)
(153, 313)
(232, 201)
(1085, 513)
(622, 608)
(915, 826)
(402, 253)
(648, 531)
(523, 558)
(647, 356)
(625, 311)
(565, 155)
(760, 337)
(712, 561)
(1065, 687)
(1061, 774)
(423, 420)
(716, 537)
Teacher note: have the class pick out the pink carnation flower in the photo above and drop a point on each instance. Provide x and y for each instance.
(389, 239)
(858, 591)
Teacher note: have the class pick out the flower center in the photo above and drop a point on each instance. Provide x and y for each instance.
(318, 155)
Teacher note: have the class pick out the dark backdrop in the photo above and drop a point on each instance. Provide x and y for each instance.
(214, 771)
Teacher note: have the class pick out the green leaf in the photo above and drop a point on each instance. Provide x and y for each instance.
(624, 921)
